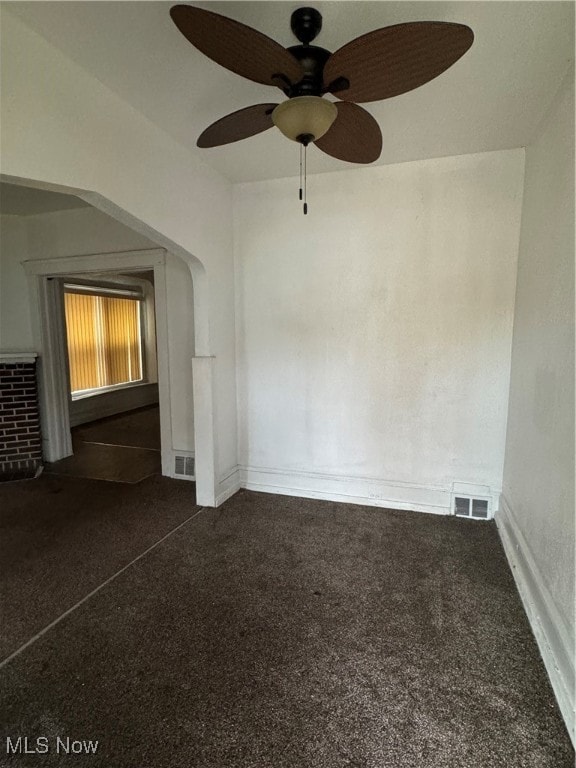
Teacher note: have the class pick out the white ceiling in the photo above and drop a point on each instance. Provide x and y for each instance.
(25, 201)
(493, 98)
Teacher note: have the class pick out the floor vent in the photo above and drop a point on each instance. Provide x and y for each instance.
(465, 506)
(184, 465)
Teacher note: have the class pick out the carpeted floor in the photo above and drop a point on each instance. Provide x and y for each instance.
(124, 448)
(60, 537)
(278, 632)
(135, 429)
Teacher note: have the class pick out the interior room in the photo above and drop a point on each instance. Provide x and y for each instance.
(112, 373)
(106, 325)
(287, 384)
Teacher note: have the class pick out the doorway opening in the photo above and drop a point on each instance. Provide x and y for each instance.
(57, 415)
(112, 376)
(59, 231)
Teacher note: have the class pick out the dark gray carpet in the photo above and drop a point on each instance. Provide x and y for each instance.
(116, 463)
(278, 632)
(136, 429)
(60, 537)
(123, 449)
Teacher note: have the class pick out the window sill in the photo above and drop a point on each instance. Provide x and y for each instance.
(86, 393)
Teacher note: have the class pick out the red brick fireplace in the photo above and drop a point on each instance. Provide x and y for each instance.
(20, 439)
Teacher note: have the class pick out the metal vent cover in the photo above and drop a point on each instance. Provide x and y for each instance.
(466, 506)
(462, 506)
(480, 509)
(184, 465)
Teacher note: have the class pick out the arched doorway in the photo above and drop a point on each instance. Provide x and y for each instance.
(193, 393)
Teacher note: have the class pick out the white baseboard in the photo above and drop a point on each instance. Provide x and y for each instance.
(228, 486)
(353, 490)
(549, 627)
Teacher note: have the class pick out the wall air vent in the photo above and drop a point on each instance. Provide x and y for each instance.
(465, 506)
(184, 465)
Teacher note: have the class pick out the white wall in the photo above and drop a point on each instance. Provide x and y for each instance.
(61, 126)
(537, 519)
(15, 326)
(374, 334)
(77, 232)
(181, 335)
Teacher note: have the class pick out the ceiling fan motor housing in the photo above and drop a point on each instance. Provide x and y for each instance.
(306, 23)
(312, 58)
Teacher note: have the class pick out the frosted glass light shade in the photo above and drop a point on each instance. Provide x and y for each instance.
(304, 116)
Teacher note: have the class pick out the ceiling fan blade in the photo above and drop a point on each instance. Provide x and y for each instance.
(355, 136)
(239, 48)
(237, 125)
(396, 59)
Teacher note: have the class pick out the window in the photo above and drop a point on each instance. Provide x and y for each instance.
(103, 328)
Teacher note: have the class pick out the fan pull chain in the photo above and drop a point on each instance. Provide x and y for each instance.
(305, 203)
(300, 191)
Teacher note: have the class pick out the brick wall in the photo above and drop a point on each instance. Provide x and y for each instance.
(20, 440)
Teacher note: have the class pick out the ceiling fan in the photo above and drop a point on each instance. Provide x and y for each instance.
(378, 65)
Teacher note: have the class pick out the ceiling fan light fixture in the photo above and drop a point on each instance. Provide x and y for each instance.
(304, 116)
(378, 65)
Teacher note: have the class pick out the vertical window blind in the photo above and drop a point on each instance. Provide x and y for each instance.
(104, 342)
